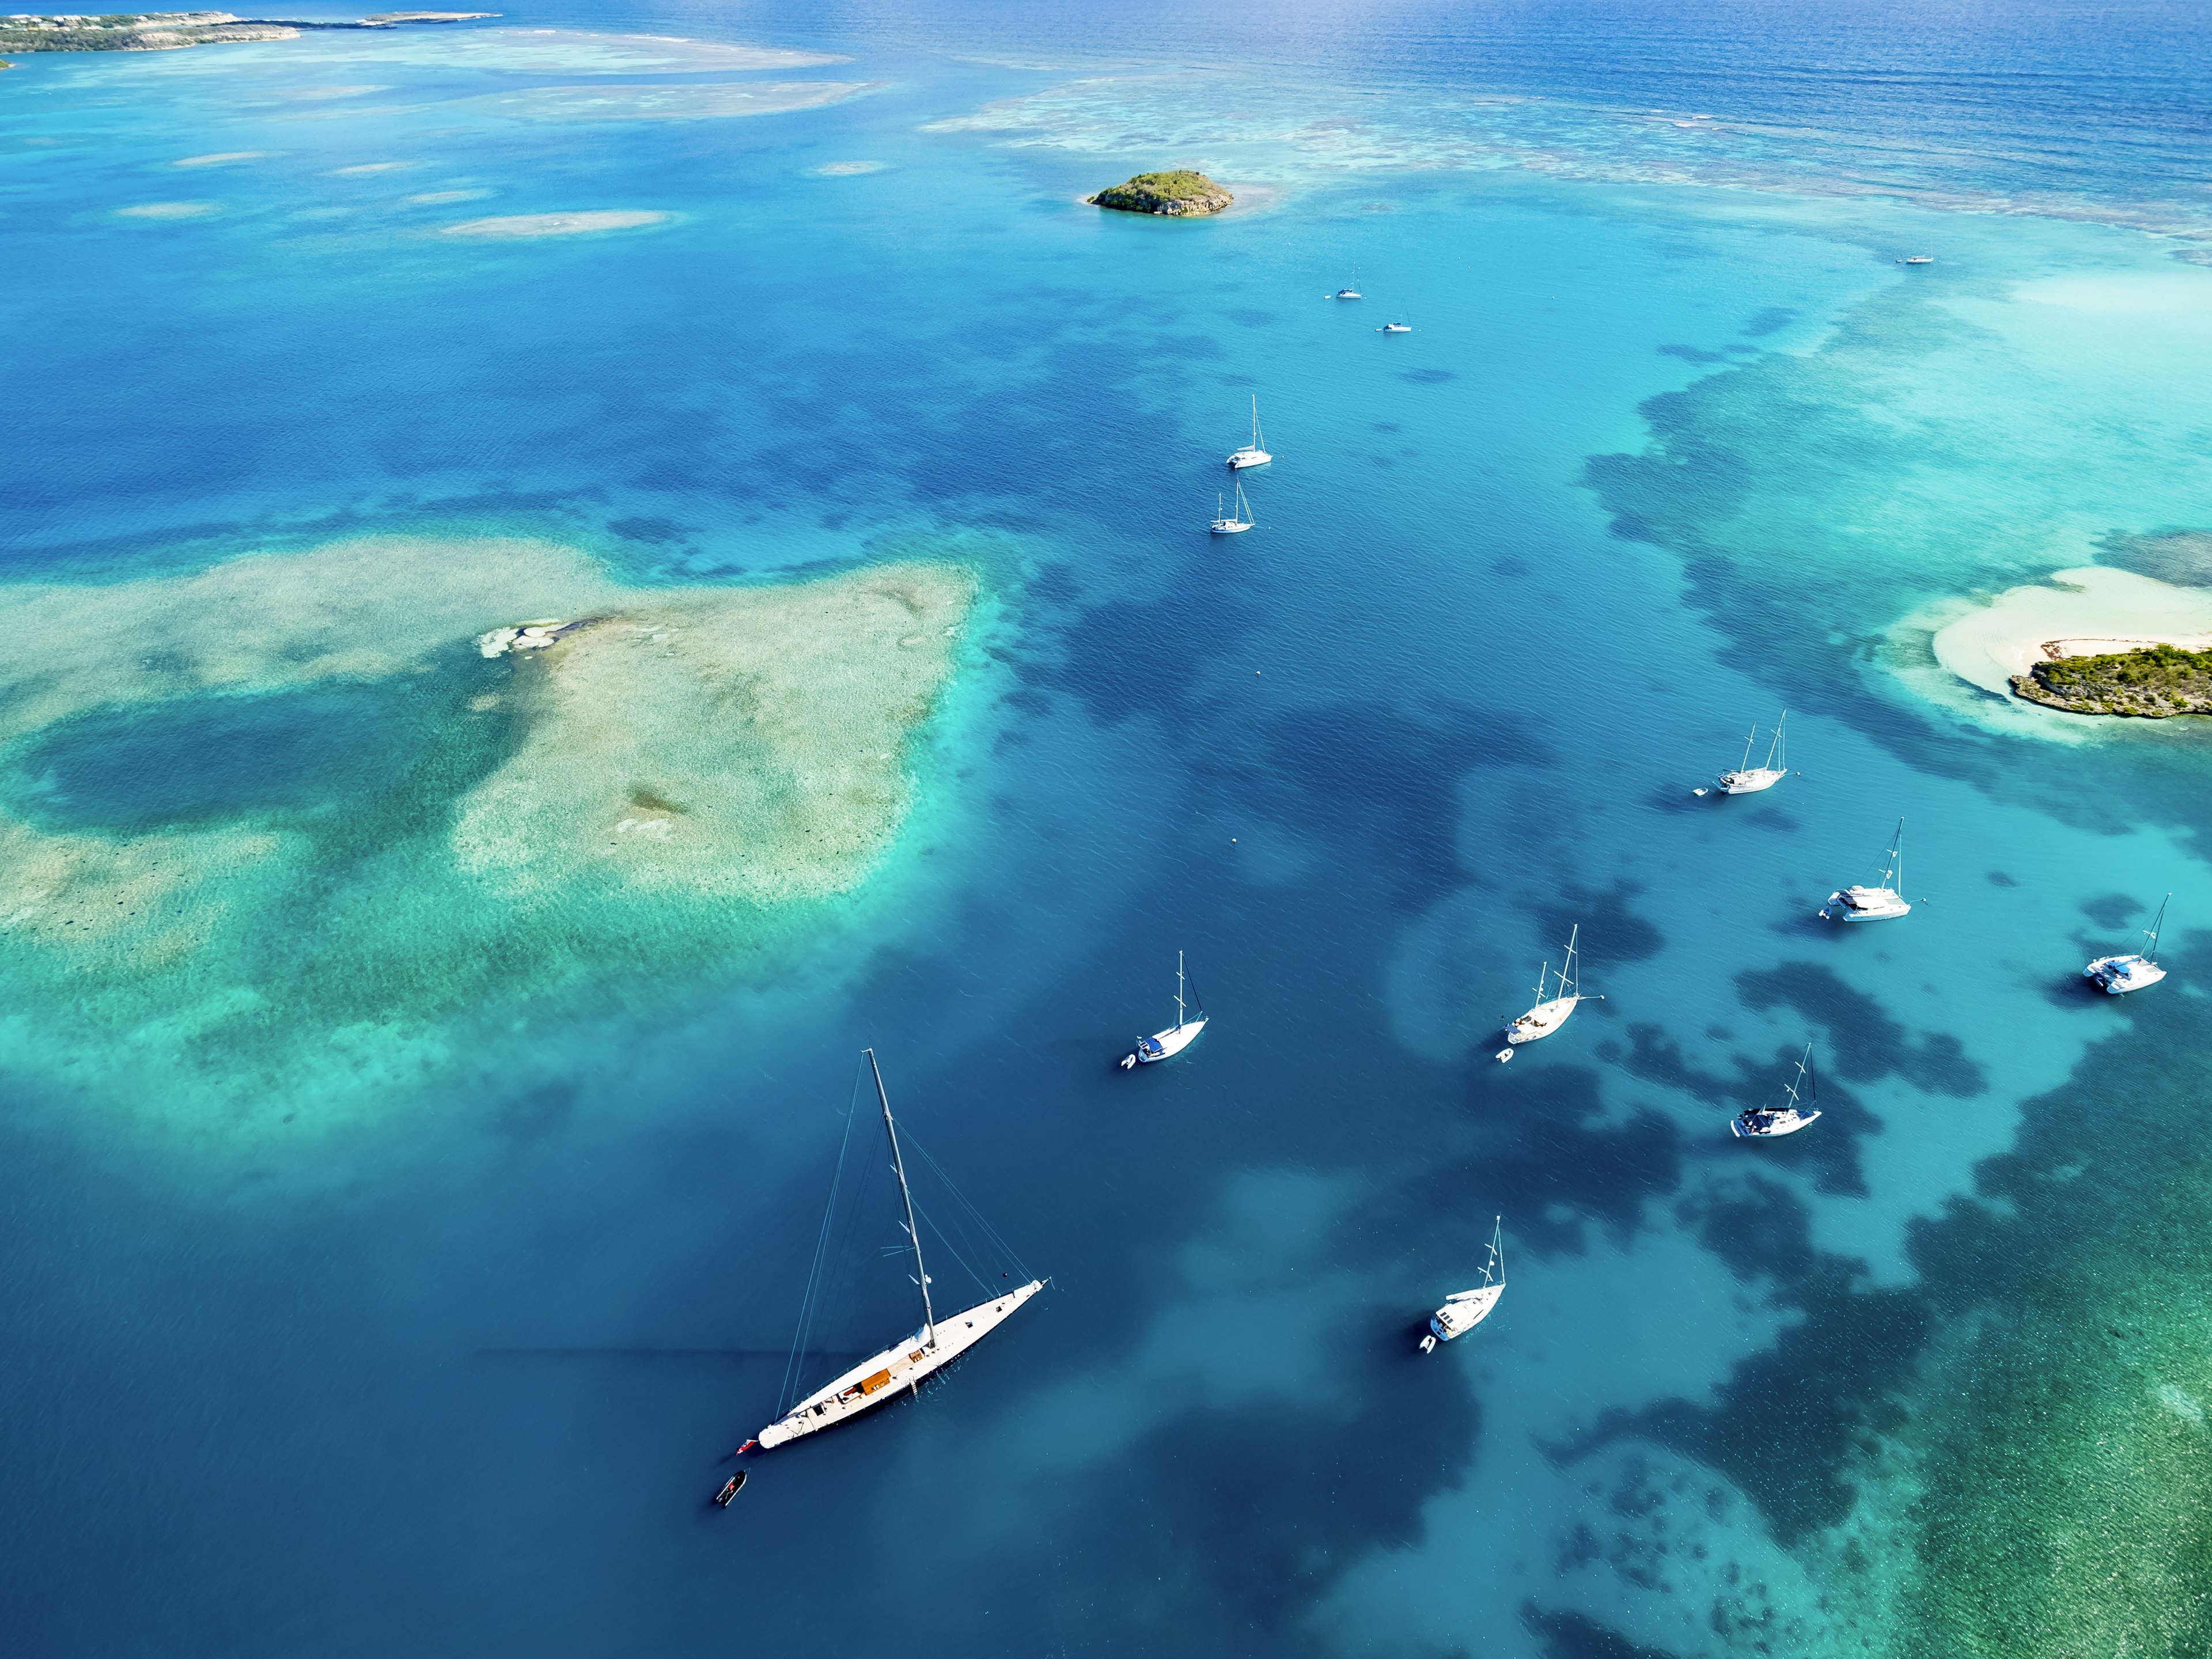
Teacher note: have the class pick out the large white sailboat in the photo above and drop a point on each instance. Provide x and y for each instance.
(1788, 1118)
(902, 1366)
(1253, 453)
(1176, 1038)
(1550, 1012)
(2118, 974)
(1882, 903)
(1749, 779)
(1464, 1309)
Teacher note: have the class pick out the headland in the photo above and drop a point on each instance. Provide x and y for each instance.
(168, 31)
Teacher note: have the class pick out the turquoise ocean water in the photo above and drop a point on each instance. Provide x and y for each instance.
(1676, 443)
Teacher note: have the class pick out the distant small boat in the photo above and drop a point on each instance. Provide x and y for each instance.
(1749, 779)
(1396, 328)
(1549, 1013)
(2118, 975)
(1884, 904)
(1788, 1118)
(1173, 1041)
(1252, 454)
(730, 1488)
(1236, 521)
(1464, 1309)
(1350, 290)
(1918, 260)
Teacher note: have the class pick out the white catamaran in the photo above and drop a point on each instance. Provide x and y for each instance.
(1173, 1041)
(1788, 1118)
(1253, 453)
(904, 1364)
(1464, 1309)
(2116, 974)
(1859, 902)
(1549, 1013)
(1749, 779)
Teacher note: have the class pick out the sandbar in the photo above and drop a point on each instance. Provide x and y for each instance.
(169, 211)
(276, 835)
(515, 227)
(2091, 610)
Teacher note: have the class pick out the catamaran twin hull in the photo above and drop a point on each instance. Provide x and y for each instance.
(904, 1364)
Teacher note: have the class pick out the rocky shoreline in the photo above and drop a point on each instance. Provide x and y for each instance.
(169, 31)
(2154, 682)
(1174, 195)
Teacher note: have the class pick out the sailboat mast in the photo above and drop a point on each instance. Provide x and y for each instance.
(1774, 746)
(1750, 738)
(1567, 973)
(2150, 951)
(920, 1272)
(1896, 882)
(1178, 990)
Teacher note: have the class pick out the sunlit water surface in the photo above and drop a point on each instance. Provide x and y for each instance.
(1675, 443)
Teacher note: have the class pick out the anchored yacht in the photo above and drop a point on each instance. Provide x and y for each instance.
(1350, 290)
(902, 1366)
(1882, 903)
(1176, 1038)
(1788, 1118)
(2118, 975)
(1464, 1309)
(1236, 521)
(1749, 779)
(1253, 454)
(1549, 1013)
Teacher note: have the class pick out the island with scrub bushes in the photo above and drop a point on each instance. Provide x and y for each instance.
(167, 31)
(2153, 682)
(1177, 195)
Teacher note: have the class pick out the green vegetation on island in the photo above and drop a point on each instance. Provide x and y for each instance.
(2155, 682)
(167, 31)
(1178, 195)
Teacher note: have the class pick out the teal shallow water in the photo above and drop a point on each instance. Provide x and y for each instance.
(1659, 459)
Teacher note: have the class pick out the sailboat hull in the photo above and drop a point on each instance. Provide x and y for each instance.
(902, 1366)
(1541, 1020)
(1866, 904)
(2117, 975)
(1463, 1312)
(1163, 1045)
(1244, 458)
(1752, 781)
(1786, 1122)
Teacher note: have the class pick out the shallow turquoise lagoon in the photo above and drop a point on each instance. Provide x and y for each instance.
(446, 1353)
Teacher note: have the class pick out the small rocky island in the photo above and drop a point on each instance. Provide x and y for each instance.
(1178, 195)
(167, 31)
(2154, 682)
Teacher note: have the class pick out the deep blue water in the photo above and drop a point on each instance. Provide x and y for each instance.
(1675, 444)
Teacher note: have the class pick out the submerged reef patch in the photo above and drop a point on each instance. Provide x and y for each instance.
(284, 816)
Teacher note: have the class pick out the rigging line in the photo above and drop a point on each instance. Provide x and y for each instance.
(965, 1266)
(808, 1303)
(976, 1215)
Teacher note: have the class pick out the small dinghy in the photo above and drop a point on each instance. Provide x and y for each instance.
(1749, 779)
(2117, 975)
(1176, 1038)
(735, 1484)
(1761, 1122)
(1884, 904)
(1465, 1309)
(1550, 1012)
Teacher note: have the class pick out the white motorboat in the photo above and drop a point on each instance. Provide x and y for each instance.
(1176, 1038)
(1788, 1118)
(1882, 903)
(1918, 260)
(1550, 1012)
(1236, 519)
(902, 1366)
(1464, 1309)
(1749, 779)
(1253, 453)
(2119, 975)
